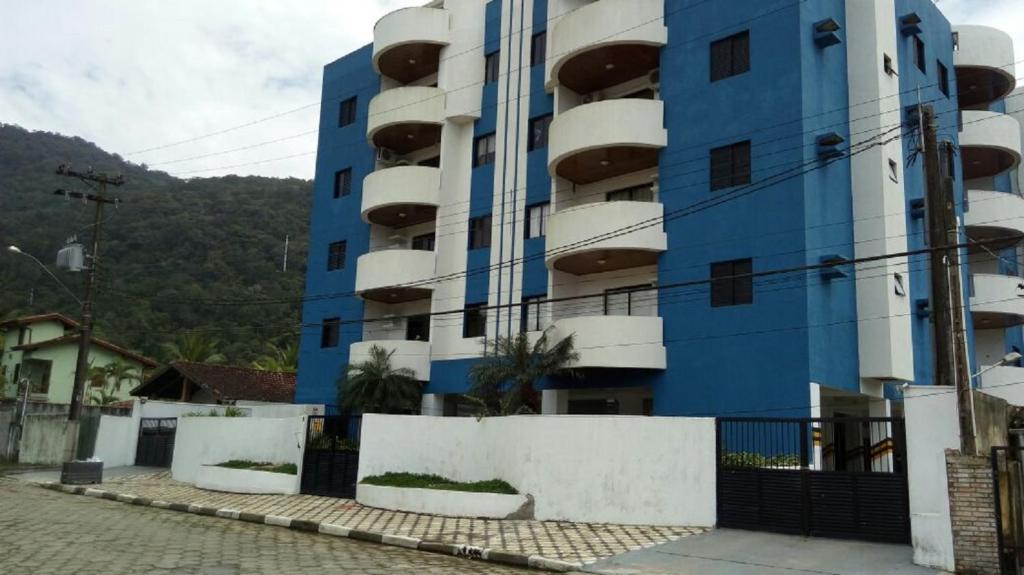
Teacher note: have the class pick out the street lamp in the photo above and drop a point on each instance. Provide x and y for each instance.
(17, 250)
(1008, 358)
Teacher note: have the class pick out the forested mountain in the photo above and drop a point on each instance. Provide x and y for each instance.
(169, 248)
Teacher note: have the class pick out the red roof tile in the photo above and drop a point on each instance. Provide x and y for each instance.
(231, 382)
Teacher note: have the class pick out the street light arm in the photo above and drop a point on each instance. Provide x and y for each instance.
(51, 274)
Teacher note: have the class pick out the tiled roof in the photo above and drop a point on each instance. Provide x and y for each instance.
(74, 338)
(232, 383)
(31, 319)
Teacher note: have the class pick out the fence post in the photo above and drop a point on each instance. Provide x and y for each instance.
(804, 448)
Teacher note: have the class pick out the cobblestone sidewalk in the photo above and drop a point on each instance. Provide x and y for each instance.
(579, 543)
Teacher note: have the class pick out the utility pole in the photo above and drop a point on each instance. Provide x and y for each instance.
(85, 341)
(950, 344)
(284, 265)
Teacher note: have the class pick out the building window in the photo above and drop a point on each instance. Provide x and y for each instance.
(730, 56)
(485, 150)
(643, 193)
(898, 287)
(638, 300)
(23, 335)
(919, 56)
(730, 166)
(417, 328)
(539, 132)
(424, 243)
(731, 283)
(492, 63)
(336, 256)
(539, 49)
(956, 41)
(894, 171)
(342, 182)
(887, 65)
(947, 157)
(330, 332)
(535, 313)
(536, 224)
(474, 320)
(347, 113)
(480, 232)
(37, 372)
(943, 78)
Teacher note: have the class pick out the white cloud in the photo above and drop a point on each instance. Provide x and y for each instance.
(133, 75)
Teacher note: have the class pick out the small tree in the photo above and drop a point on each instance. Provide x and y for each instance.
(193, 347)
(374, 386)
(109, 380)
(284, 358)
(504, 382)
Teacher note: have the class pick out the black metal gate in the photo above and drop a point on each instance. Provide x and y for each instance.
(1008, 489)
(156, 441)
(330, 464)
(843, 478)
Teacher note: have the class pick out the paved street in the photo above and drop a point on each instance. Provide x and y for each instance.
(45, 532)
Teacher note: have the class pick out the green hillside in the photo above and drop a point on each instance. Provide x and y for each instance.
(169, 248)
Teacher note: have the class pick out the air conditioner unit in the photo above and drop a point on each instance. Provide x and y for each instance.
(590, 98)
(385, 155)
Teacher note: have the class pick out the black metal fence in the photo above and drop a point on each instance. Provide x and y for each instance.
(1008, 488)
(156, 441)
(330, 464)
(824, 477)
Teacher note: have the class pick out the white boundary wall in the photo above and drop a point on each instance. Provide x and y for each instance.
(209, 440)
(614, 469)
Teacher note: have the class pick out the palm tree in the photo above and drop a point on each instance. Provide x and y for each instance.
(373, 386)
(193, 347)
(110, 379)
(279, 358)
(503, 383)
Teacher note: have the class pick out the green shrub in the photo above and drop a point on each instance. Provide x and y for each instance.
(749, 459)
(422, 481)
(287, 468)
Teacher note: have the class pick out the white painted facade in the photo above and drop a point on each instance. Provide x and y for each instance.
(229, 480)
(203, 441)
(440, 502)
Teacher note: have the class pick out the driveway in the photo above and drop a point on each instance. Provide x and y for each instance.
(731, 552)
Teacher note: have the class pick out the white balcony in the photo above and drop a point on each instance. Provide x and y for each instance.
(395, 276)
(606, 43)
(407, 43)
(602, 140)
(994, 215)
(401, 196)
(997, 301)
(406, 119)
(984, 65)
(990, 144)
(621, 341)
(590, 238)
(414, 355)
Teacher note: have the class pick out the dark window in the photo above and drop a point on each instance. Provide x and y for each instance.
(943, 78)
(424, 242)
(539, 132)
(644, 193)
(17, 376)
(730, 56)
(492, 63)
(417, 328)
(336, 256)
(534, 313)
(434, 162)
(474, 320)
(645, 94)
(37, 372)
(638, 300)
(342, 182)
(485, 150)
(887, 65)
(593, 407)
(539, 49)
(347, 113)
(947, 156)
(330, 332)
(480, 232)
(919, 57)
(536, 223)
(730, 166)
(23, 335)
(727, 288)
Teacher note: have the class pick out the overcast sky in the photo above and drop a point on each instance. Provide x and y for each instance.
(131, 75)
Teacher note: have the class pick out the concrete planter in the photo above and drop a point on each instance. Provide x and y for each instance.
(449, 503)
(246, 481)
(81, 472)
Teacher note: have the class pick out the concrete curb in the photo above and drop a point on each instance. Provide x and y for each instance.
(465, 551)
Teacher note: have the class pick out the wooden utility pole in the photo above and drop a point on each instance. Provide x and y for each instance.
(85, 332)
(950, 344)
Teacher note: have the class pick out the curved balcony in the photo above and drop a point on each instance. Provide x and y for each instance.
(984, 65)
(406, 119)
(414, 355)
(615, 341)
(401, 196)
(1002, 376)
(606, 43)
(990, 143)
(605, 139)
(590, 239)
(993, 216)
(407, 43)
(997, 301)
(395, 276)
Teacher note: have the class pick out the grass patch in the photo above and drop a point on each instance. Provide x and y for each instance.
(287, 468)
(421, 481)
